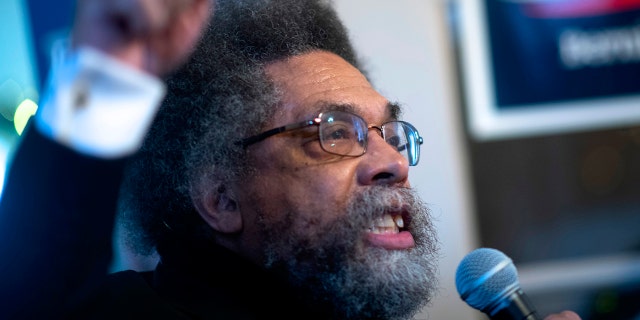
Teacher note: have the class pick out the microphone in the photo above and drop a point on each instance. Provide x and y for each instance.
(487, 280)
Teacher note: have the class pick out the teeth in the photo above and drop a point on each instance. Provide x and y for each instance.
(399, 222)
(387, 224)
(386, 221)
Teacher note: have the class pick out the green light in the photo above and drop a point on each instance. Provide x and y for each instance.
(24, 112)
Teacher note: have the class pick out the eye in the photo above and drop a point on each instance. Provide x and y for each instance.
(394, 141)
(337, 132)
(338, 138)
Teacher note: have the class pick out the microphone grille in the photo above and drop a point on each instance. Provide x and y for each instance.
(484, 276)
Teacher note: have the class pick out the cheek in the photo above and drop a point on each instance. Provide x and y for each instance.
(310, 196)
(294, 183)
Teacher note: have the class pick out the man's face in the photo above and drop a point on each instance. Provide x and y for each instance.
(351, 224)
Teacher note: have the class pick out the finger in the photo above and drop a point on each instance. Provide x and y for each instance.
(160, 14)
(174, 44)
(137, 18)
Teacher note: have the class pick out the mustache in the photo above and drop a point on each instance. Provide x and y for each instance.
(373, 202)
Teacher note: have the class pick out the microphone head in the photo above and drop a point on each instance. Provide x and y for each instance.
(484, 278)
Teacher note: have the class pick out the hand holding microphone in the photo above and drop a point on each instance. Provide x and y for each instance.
(487, 280)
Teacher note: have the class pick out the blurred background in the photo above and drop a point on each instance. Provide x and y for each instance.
(530, 111)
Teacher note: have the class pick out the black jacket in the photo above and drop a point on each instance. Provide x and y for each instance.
(201, 282)
(56, 221)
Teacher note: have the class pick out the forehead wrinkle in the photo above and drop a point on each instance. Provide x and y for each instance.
(328, 72)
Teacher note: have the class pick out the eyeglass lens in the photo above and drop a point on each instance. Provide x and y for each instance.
(344, 133)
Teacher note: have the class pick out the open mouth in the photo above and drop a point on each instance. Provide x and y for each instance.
(389, 223)
(390, 231)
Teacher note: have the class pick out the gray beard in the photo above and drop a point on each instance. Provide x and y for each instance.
(330, 266)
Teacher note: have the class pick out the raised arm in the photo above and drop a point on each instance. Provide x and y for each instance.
(58, 205)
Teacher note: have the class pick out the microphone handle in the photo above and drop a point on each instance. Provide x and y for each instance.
(519, 308)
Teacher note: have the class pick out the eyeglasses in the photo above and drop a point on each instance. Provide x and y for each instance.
(344, 133)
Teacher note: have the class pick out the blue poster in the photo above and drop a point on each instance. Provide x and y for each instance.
(546, 67)
(560, 50)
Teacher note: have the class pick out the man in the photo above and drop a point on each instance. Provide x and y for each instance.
(306, 202)
(273, 182)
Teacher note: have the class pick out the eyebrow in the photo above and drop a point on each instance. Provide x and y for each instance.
(393, 108)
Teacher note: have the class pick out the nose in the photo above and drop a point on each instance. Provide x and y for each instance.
(382, 164)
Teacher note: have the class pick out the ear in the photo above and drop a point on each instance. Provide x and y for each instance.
(218, 207)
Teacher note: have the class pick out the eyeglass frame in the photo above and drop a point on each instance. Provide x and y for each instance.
(318, 121)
